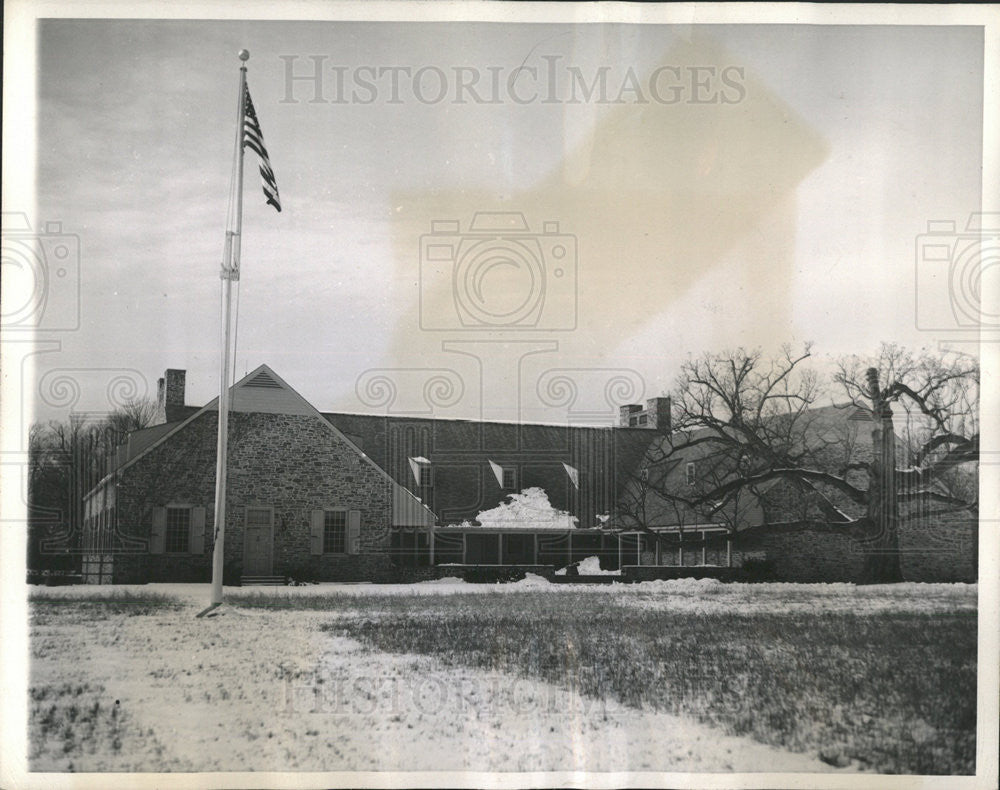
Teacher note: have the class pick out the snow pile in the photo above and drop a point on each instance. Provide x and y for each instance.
(681, 585)
(446, 580)
(590, 567)
(532, 580)
(529, 509)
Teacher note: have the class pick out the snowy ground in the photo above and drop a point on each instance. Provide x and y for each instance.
(259, 689)
(676, 594)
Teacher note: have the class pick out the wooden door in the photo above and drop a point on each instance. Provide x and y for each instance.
(258, 542)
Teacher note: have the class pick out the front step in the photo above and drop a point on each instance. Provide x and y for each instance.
(262, 581)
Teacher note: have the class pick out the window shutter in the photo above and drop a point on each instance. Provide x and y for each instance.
(354, 532)
(497, 472)
(158, 532)
(316, 537)
(196, 539)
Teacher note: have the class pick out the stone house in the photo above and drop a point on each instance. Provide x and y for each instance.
(333, 496)
(302, 498)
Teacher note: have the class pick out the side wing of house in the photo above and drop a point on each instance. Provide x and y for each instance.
(658, 486)
(460, 468)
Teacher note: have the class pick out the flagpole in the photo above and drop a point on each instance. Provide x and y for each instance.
(230, 272)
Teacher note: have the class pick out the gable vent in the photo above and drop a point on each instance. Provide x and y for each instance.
(264, 380)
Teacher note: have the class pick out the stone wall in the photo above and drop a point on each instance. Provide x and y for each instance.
(292, 463)
(938, 549)
(802, 555)
(941, 548)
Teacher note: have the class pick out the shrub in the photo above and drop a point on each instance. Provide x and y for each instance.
(54, 578)
(757, 570)
(232, 573)
(494, 575)
(299, 574)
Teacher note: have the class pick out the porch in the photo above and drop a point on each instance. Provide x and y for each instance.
(706, 545)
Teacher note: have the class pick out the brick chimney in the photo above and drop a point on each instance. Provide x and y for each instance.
(655, 415)
(628, 415)
(658, 411)
(170, 396)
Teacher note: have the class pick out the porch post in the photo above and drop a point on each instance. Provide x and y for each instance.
(534, 555)
(619, 551)
(656, 550)
(499, 548)
(703, 547)
(729, 550)
(569, 548)
(430, 542)
(464, 551)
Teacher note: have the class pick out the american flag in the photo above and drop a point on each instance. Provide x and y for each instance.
(253, 139)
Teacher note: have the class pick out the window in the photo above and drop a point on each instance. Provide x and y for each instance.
(258, 517)
(643, 419)
(178, 531)
(426, 477)
(334, 532)
(633, 421)
(510, 479)
(690, 471)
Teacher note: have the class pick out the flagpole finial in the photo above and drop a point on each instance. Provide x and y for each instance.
(244, 55)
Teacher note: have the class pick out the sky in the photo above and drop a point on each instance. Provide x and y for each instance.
(730, 185)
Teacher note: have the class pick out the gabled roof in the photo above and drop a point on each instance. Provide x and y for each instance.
(600, 457)
(141, 439)
(463, 455)
(263, 391)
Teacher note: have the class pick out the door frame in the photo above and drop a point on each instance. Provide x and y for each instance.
(270, 537)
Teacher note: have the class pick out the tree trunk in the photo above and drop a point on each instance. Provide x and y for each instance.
(882, 564)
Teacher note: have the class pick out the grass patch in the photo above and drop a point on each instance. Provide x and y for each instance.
(78, 726)
(894, 691)
(556, 600)
(45, 604)
(73, 719)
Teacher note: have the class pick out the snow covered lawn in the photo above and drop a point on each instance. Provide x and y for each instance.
(663, 676)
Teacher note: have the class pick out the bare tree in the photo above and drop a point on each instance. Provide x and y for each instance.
(938, 397)
(747, 434)
(66, 460)
(132, 415)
